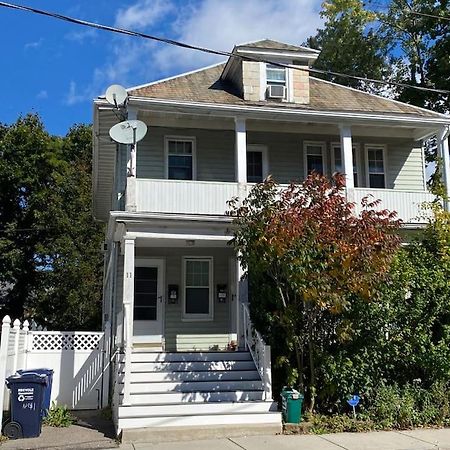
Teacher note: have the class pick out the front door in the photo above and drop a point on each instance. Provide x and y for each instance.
(148, 301)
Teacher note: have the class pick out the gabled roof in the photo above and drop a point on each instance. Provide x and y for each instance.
(275, 45)
(206, 86)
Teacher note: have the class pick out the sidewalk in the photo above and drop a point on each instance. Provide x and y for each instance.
(382, 440)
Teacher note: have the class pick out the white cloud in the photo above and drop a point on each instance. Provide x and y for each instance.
(142, 14)
(220, 25)
(42, 95)
(82, 36)
(34, 44)
(215, 24)
(74, 96)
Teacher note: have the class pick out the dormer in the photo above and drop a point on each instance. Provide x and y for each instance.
(262, 81)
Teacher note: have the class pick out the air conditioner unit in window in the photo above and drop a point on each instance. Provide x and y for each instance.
(276, 91)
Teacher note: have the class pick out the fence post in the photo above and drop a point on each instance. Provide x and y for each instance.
(26, 330)
(6, 328)
(16, 328)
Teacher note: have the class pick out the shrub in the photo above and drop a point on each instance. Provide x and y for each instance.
(58, 416)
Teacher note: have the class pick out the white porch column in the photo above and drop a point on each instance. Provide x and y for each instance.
(347, 159)
(131, 169)
(241, 150)
(242, 298)
(128, 305)
(443, 153)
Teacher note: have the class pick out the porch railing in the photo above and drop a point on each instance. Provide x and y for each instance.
(210, 197)
(260, 353)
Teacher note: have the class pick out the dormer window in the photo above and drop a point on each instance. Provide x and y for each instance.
(276, 81)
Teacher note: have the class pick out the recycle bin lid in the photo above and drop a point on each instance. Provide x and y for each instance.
(28, 377)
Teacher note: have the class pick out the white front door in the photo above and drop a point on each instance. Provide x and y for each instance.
(148, 301)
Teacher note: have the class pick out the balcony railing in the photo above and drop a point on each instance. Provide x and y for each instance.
(210, 198)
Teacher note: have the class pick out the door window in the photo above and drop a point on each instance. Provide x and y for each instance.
(145, 293)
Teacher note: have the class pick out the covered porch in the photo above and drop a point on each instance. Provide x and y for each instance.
(177, 285)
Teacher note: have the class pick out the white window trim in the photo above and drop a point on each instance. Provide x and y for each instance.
(323, 146)
(366, 155)
(356, 151)
(198, 317)
(194, 153)
(265, 157)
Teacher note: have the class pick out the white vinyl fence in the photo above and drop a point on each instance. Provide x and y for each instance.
(79, 359)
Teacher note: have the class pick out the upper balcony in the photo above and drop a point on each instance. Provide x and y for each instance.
(210, 198)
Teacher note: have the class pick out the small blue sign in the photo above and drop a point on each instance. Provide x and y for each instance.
(354, 400)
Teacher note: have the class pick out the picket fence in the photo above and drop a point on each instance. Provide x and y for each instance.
(79, 359)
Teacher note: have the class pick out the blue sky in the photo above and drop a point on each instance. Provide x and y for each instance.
(56, 68)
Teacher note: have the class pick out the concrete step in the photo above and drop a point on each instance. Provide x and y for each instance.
(142, 356)
(139, 398)
(191, 366)
(271, 420)
(223, 375)
(195, 409)
(196, 386)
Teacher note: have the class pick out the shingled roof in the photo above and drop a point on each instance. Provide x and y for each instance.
(206, 86)
(275, 45)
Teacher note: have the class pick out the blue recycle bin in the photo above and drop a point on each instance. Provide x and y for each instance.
(48, 389)
(27, 394)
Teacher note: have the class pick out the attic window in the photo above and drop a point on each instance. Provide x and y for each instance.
(276, 81)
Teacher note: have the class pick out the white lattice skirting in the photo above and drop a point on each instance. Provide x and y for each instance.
(47, 340)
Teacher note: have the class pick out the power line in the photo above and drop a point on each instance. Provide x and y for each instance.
(211, 51)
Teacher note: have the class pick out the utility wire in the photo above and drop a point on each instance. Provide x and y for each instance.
(211, 51)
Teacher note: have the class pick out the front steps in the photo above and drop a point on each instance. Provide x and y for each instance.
(197, 393)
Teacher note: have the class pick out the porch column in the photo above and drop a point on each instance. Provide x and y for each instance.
(347, 159)
(241, 150)
(242, 297)
(131, 169)
(443, 153)
(128, 305)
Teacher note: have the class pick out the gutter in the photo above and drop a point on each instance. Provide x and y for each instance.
(268, 113)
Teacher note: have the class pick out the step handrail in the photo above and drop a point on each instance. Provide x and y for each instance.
(260, 353)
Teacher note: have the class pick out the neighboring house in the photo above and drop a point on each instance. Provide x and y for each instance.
(172, 284)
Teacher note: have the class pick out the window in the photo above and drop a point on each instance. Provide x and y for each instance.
(256, 163)
(375, 167)
(276, 76)
(145, 293)
(314, 157)
(180, 158)
(336, 158)
(198, 288)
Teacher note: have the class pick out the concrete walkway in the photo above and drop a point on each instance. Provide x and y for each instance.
(382, 440)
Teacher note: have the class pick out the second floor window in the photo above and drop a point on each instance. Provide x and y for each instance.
(314, 158)
(375, 167)
(180, 159)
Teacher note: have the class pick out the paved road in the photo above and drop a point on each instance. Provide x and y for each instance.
(382, 440)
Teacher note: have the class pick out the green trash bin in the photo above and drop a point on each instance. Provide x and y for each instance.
(291, 405)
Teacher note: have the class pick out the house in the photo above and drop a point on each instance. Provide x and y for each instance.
(172, 289)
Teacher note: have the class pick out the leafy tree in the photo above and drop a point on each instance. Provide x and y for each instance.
(350, 44)
(307, 254)
(50, 246)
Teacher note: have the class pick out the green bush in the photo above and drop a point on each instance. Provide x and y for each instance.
(58, 416)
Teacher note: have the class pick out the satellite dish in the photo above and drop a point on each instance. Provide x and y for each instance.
(128, 132)
(116, 95)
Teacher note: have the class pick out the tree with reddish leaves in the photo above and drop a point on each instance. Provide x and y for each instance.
(306, 254)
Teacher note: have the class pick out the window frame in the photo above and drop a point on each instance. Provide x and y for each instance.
(382, 147)
(176, 138)
(356, 151)
(288, 82)
(265, 159)
(323, 146)
(189, 317)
